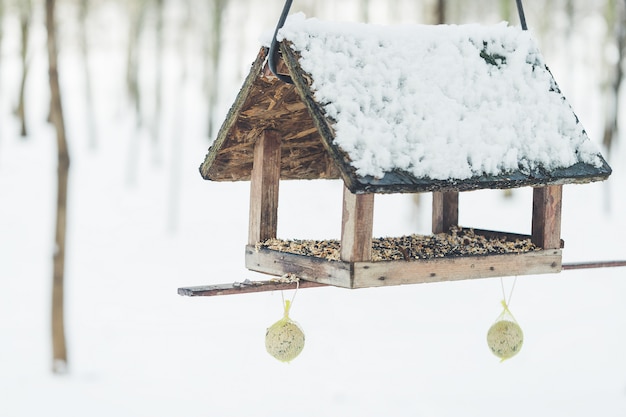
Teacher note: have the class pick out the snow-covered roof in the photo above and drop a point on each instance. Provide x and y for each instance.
(419, 107)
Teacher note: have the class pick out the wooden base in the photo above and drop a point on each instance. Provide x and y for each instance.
(386, 273)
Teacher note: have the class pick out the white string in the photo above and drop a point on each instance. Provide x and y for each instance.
(295, 292)
(508, 302)
(282, 295)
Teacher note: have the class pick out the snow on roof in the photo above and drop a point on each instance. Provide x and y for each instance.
(440, 102)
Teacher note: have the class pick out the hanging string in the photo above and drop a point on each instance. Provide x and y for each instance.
(504, 299)
(287, 304)
(522, 17)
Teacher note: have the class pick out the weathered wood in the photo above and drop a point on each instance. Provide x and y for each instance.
(356, 226)
(245, 287)
(445, 211)
(260, 286)
(264, 186)
(264, 102)
(386, 273)
(309, 268)
(398, 181)
(591, 265)
(546, 220)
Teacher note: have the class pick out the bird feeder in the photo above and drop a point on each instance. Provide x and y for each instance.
(406, 109)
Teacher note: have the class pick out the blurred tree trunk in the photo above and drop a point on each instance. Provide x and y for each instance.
(158, 81)
(59, 349)
(1, 38)
(137, 14)
(616, 16)
(83, 12)
(570, 11)
(1, 27)
(364, 11)
(441, 12)
(505, 9)
(212, 59)
(25, 12)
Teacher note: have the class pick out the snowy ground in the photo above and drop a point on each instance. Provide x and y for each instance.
(139, 349)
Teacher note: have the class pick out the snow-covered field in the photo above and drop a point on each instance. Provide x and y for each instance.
(137, 234)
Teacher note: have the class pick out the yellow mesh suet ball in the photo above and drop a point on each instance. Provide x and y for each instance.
(284, 339)
(505, 337)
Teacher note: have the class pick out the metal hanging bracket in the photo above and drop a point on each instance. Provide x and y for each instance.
(273, 54)
(520, 12)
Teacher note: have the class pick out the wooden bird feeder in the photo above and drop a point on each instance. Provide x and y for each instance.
(279, 131)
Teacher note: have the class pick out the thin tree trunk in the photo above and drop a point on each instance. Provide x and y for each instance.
(1, 27)
(611, 124)
(59, 348)
(364, 11)
(83, 12)
(137, 15)
(505, 9)
(441, 11)
(25, 11)
(158, 81)
(1, 38)
(137, 12)
(214, 55)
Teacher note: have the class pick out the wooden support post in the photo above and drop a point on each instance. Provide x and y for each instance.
(546, 223)
(356, 226)
(264, 182)
(445, 210)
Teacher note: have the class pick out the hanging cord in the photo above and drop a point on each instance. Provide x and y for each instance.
(287, 304)
(504, 299)
(274, 45)
(522, 17)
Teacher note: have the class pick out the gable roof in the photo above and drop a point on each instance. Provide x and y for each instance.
(408, 109)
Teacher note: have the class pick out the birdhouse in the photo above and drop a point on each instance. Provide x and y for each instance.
(404, 109)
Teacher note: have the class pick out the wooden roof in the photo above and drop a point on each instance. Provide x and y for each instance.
(265, 102)
(308, 149)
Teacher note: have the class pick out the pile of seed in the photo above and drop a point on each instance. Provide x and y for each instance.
(458, 242)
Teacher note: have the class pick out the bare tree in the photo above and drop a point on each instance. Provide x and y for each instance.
(441, 11)
(83, 12)
(1, 22)
(616, 14)
(158, 81)
(137, 14)
(59, 348)
(212, 58)
(25, 13)
(364, 10)
(1, 38)
(505, 9)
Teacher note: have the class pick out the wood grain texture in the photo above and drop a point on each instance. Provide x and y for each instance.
(546, 220)
(308, 268)
(308, 146)
(264, 102)
(260, 286)
(356, 226)
(445, 211)
(378, 274)
(244, 288)
(389, 273)
(264, 186)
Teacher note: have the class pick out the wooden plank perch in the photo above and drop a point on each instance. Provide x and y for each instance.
(245, 287)
(248, 286)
